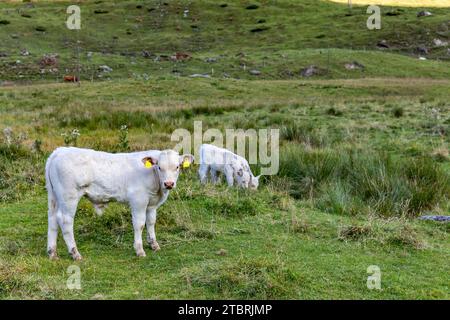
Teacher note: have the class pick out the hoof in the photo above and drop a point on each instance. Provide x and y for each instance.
(141, 254)
(76, 256)
(52, 255)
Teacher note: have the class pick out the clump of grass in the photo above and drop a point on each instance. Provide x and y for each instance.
(244, 279)
(106, 120)
(224, 205)
(334, 112)
(303, 133)
(398, 112)
(12, 281)
(297, 225)
(348, 182)
(393, 231)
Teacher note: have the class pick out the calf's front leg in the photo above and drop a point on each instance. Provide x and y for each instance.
(151, 235)
(138, 217)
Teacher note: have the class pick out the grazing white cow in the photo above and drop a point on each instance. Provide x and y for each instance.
(141, 179)
(235, 168)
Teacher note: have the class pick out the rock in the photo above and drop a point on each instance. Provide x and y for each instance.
(49, 60)
(440, 43)
(310, 71)
(89, 54)
(24, 52)
(105, 68)
(198, 75)
(146, 54)
(422, 58)
(422, 50)
(3, 55)
(424, 14)
(8, 135)
(221, 252)
(355, 65)
(383, 44)
(211, 60)
(255, 72)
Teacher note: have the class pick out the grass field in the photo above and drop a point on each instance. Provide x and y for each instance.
(363, 153)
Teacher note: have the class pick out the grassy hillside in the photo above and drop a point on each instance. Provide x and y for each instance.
(137, 38)
(363, 152)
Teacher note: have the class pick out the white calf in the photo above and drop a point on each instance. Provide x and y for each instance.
(141, 179)
(235, 168)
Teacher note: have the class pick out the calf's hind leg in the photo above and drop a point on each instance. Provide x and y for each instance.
(65, 217)
(52, 233)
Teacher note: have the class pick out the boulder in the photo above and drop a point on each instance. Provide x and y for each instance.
(424, 14)
(422, 50)
(383, 44)
(355, 65)
(105, 68)
(310, 71)
(440, 43)
(255, 72)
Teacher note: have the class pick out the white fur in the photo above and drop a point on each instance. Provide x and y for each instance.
(235, 168)
(72, 173)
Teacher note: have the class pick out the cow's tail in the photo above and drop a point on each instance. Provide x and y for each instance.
(52, 204)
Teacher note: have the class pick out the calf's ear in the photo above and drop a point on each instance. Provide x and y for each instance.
(149, 162)
(186, 160)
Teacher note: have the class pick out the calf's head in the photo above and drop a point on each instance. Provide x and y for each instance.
(168, 167)
(254, 182)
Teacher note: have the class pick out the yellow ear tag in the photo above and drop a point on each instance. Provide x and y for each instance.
(186, 164)
(148, 164)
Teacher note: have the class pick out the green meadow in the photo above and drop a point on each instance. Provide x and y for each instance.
(363, 152)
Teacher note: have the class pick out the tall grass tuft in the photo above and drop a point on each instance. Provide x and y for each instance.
(354, 182)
